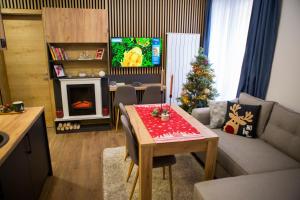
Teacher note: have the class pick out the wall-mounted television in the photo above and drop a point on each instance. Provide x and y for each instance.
(136, 52)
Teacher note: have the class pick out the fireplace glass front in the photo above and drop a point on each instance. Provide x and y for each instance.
(81, 99)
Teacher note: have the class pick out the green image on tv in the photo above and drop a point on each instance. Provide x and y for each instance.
(134, 52)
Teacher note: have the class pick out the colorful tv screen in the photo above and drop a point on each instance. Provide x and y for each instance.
(136, 52)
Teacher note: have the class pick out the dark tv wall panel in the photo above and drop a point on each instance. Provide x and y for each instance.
(130, 78)
(105, 92)
(57, 94)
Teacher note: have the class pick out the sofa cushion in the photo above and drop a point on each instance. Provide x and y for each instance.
(202, 115)
(267, 186)
(241, 119)
(241, 155)
(283, 131)
(217, 113)
(266, 108)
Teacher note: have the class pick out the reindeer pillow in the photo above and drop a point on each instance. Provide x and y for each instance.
(241, 119)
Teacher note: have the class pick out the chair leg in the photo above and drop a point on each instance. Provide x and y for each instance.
(126, 154)
(130, 170)
(171, 183)
(126, 150)
(134, 184)
(164, 173)
(118, 116)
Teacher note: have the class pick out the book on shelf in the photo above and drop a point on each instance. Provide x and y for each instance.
(61, 54)
(52, 51)
(64, 53)
(58, 53)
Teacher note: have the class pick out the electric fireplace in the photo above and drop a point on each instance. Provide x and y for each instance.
(81, 98)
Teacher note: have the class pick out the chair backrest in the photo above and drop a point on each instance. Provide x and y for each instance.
(126, 95)
(123, 110)
(132, 143)
(152, 95)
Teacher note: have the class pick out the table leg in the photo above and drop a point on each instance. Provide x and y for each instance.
(145, 171)
(211, 156)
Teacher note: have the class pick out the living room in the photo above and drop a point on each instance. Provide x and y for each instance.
(149, 99)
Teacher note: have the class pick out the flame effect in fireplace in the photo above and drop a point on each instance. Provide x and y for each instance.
(82, 105)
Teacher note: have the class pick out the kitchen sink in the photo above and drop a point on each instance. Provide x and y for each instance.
(3, 138)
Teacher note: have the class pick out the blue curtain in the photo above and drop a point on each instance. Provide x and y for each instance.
(207, 26)
(261, 40)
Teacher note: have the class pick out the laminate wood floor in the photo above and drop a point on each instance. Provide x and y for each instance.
(77, 164)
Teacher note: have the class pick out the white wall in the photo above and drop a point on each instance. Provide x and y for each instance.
(284, 85)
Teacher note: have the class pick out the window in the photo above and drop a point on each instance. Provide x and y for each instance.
(229, 29)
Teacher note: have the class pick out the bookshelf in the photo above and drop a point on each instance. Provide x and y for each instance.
(76, 33)
(78, 58)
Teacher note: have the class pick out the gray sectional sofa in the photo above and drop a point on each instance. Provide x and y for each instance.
(267, 167)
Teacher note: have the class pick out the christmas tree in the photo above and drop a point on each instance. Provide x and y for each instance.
(199, 87)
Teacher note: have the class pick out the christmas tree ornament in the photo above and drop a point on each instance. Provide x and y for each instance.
(206, 91)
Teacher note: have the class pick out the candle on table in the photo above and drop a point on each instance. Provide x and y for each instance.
(162, 80)
(171, 86)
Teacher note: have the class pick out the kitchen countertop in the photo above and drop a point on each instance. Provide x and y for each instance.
(16, 126)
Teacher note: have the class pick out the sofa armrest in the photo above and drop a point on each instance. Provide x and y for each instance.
(202, 115)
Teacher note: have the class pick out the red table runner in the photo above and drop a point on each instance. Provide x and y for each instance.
(174, 130)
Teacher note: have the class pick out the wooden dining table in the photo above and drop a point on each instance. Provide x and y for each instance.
(149, 148)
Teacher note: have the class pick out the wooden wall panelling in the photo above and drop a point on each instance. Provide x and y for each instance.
(26, 62)
(75, 25)
(4, 88)
(135, 18)
(38, 4)
(154, 18)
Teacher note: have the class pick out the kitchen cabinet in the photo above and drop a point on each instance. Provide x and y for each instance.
(24, 172)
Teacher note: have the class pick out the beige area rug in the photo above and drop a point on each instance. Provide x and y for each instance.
(186, 172)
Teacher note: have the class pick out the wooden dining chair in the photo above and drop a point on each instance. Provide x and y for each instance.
(124, 112)
(127, 96)
(161, 161)
(152, 95)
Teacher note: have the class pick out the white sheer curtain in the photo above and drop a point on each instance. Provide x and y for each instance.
(181, 51)
(229, 28)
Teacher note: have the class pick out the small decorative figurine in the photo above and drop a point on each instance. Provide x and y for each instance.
(155, 112)
(101, 73)
(165, 115)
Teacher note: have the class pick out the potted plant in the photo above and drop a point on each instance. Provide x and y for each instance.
(165, 115)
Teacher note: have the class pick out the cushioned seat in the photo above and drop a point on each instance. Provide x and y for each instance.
(240, 155)
(266, 186)
(163, 161)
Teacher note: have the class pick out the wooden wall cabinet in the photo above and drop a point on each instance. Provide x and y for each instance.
(73, 25)
(24, 172)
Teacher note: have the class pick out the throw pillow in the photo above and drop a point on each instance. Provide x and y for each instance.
(241, 119)
(217, 111)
